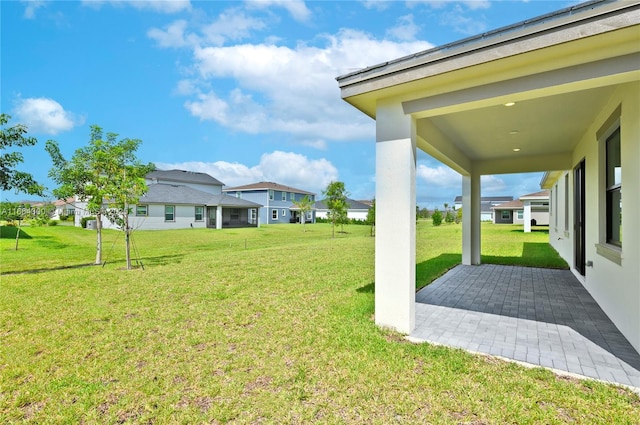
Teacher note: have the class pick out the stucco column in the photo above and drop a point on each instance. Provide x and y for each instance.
(527, 216)
(471, 219)
(395, 256)
(219, 217)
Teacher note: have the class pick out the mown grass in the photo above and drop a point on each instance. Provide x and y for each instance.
(268, 325)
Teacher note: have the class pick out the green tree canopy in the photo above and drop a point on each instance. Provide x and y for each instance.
(336, 201)
(10, 178)
(304, 205)
(106, 174)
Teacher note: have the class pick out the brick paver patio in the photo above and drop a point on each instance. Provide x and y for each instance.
(539, 316)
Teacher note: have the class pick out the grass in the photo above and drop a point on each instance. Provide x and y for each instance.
(268, 325)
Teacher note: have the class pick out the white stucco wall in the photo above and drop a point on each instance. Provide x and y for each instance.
(615, 287)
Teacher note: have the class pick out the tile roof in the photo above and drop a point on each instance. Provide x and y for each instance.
(353, 205)
(161, 193)
(182, 176)
(266, 186)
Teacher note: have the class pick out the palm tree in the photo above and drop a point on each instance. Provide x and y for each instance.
(304, 205)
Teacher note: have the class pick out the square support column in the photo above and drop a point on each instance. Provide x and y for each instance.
(471, 215)
(395, 256)
(219, 217)
(527, 216)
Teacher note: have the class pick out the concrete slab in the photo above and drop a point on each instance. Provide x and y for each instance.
(543, 317)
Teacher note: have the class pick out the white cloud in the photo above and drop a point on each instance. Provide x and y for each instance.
(297, 8)
(493, 185)
(288, 89)
(460, 22)
(405, 29)
(31, 6)
(172, 36)
(232, 24)
(286, 168)
(44, 115)
(470, 4)
(162, 6)
(440, 176)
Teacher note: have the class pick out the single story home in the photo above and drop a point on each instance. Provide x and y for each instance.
(534, 206)
(178, 199)
(558, 94)
(486, 205)
(356, 210)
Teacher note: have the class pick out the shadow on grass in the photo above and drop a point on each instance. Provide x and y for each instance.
(48, 269)
(534, 254)
(10, 232)
(534, 229)
(160, 260)
(430, 270)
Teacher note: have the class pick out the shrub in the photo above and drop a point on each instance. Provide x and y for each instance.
(52, 223)
(436, 217)
(83, 221)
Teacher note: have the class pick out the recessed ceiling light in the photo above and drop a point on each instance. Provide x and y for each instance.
(514, 132)
(516, 149)
(509, 103)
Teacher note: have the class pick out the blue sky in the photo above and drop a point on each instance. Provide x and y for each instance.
(244, 91)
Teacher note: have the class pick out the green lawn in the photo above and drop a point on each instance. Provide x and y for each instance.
(268, 325)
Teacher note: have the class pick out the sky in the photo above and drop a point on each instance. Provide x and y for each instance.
(244, 90)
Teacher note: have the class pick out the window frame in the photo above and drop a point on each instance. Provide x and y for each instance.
(195, 213)
(613, 190)
(274, 214)
(284, 195)
(520, 214)
(271, 194)
(146, 210)
(173, 213)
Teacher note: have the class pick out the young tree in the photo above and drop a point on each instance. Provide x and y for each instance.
(305, 204)
(371, 217)
(104, 173)
(10, 178)
(436, 217)
(336, 201)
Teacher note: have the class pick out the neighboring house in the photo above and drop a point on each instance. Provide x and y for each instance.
(356, 210)
(179, 199)
(532, 209)
(486, 205)
(557, 94)
(64, 208)
(276, 200)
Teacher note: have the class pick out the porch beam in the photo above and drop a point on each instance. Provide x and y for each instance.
(395, 253)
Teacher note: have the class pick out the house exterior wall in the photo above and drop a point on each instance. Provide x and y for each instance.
(351, 214)
(266, 213)
(614, 286)
(184, 218)
(497, 217)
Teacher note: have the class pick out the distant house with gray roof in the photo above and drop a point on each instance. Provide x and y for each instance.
(356, 210)
(178, 199)
(487, 204)
(277, 201)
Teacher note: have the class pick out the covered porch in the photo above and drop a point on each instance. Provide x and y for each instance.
(542, 317)
(545, 95)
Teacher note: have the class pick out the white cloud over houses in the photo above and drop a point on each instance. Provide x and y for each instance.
(265, 87)
(162, 6)
(45, 115)
(286, 168)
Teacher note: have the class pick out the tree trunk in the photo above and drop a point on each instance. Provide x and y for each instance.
(126, 240)
(99, 238)
(18, 233)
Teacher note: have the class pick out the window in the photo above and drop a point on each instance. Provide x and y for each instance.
(169, 213)
(284, 212)
(292, 196)
(199, 213)
(566, 202)
(274, 214)
(614, 189)
(506, 214)
(520, 214)
(284, 196)
(141, 210)
(239, 195)
(271, 195)
(235, 214)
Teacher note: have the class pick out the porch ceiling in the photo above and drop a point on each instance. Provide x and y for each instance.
(560, 74)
